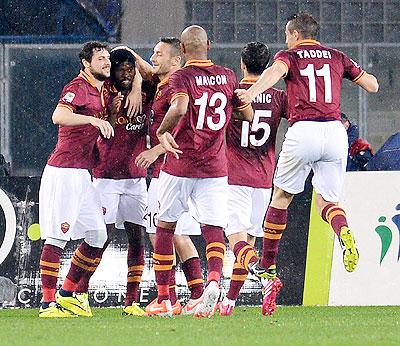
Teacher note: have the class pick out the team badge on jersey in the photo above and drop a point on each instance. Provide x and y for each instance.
(65, 227)
(68, 97)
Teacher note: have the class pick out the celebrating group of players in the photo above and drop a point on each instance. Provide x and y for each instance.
(212, 157)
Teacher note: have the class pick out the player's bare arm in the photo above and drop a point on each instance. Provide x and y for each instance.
(134, 99)
(145, 69)
(65, 117)
(147, 157)
(368, 82)
(267, 80)
(175, 112)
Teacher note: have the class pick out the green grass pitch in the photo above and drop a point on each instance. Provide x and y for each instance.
(289, 326)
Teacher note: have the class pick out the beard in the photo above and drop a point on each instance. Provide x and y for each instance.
(99, 76)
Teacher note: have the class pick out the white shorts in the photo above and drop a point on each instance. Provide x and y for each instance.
(186, 224)
(209, 197)
(246, 210)
(69, 205)
(124, 200)
(320, 146)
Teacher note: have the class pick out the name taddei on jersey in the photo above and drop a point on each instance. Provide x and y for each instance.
(314, 53)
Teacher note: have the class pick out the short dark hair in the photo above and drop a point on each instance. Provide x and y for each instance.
(175, 44)
(118, 56)
(255, 56)
(305, 24)
(89, 48)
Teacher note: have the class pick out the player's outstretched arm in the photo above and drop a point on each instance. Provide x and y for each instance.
(134, 98)
(147, 157)
(65, 117)
(368, 82)
(268, 79)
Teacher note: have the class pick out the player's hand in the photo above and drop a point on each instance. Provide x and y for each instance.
(169, 144)
(243, 95)
(104, 126)
(115, 107)
(134, 103)
(146, 158)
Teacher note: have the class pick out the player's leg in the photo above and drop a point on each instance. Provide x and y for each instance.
(209, 200)
(135, 260)
(87, 256)
(328, 181)
(173, 192)
(189, 258)
(110, 198)
(130, 216)
(300, 148)
(58, 199)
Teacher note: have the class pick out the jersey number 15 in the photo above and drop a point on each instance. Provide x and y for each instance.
(256, 125)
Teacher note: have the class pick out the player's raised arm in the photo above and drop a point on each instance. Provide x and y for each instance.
(268, 79)
(368, 82)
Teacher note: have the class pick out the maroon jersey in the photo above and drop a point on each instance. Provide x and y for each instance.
(314, 80)
(161, 103)
(76, 145)
(117, 154)
(251, 146)
(200, 134)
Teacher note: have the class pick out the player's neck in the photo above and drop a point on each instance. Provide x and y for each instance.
(165, 76)
(94, 80)
(248, 75)
(196, 56)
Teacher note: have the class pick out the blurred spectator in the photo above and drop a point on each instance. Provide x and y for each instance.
(352, 135)
(360, 154)
(387, 158)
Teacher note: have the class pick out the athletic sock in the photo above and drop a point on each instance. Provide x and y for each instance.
(49, 268)
(192, 270)
(85, 261)
(163, 259)
(215, 251)
(172, 285)
(335, 217)
(135, 271)
(274, 225)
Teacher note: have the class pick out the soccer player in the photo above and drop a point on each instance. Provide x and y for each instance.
(122, 185)
(70, 206)
(166, 60)
(316, 140)
(195, 167)
(251, 165)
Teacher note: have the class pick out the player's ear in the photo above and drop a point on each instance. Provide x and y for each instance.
(85, 63)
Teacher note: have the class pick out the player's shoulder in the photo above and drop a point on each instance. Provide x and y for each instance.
(76, 84)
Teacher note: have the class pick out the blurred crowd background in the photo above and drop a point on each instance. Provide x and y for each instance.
(39, 42)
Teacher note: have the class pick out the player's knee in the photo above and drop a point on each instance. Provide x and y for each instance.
(96, 238)
(56, 242)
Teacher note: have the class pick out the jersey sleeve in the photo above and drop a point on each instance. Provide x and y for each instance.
(178, 85)
(73, 96)
(352, 70)
(282, 57)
